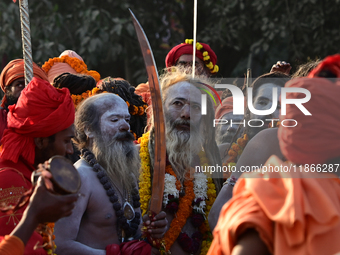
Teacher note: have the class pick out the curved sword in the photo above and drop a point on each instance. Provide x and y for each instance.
(159, 125)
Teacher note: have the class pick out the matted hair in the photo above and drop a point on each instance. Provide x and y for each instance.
(88, 117)
(76, 83)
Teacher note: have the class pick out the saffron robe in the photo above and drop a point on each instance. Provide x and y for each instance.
(294, 213)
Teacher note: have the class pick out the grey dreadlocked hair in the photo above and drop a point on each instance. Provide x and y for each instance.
(175, 75)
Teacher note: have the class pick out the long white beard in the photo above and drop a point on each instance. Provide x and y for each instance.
(120, 159)
(182, 146)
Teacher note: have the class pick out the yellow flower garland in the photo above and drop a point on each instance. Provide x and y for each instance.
(145, 191)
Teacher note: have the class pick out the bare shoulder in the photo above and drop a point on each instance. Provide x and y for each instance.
(265, 135)
(86, 174)
(266, 140)
(260, 148)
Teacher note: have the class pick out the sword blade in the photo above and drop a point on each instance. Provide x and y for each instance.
(159, 125)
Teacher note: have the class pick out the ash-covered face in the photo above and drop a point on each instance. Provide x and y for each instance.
(183, 106)
(115, 121)
(225, 132)
(186, 61)
(184, 138)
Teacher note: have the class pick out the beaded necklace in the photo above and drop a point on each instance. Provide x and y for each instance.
(127, 219)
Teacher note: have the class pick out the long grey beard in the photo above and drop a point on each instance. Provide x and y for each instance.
(120, 159)
(182, 146)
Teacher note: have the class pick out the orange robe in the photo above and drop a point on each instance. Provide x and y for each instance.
(15, 179)
(299, 215)
(11, 245)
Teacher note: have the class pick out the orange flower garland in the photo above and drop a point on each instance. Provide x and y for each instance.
(46, 231)
(79, 98)
(133, 110)
(184, 212)
(136, 110)
(78, 65)
(235, 151)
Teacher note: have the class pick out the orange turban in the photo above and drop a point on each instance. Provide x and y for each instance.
(41, 111)
(331, 63)
(186, 48)
(224, 108)
(314, 139)
(68, 62)
(15, 70)
(142, 88)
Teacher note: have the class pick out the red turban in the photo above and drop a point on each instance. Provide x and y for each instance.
(15, 70)
(186, 48)
(331, 63)
(41, 111)
(224, 108)
(314, 139)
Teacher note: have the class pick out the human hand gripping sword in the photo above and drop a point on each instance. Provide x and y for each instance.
(159, 125)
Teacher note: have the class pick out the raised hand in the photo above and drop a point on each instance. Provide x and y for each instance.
(281, 66)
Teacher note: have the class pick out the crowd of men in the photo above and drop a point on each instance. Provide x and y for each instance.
(107, 129)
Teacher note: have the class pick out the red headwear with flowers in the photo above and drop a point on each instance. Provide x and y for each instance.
(15, 70)
(186, 48)
(331, 63)
(313, 140)
(41, 111)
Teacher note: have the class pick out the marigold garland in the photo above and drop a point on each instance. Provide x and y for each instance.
(185, 208)
(145, 175)
(46, 231)
(78, 65)
(235, 151)
(133, 110)
(206, 58)
(238, 147)
(184, 211)
(79, 98)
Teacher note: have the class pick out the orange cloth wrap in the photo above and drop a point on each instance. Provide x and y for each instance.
(224, 108)
(303, 143)
(12, 245)
(294, 213)
(41, 111)
(15, 70)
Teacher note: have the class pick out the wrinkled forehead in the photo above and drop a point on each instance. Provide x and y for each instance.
(184, 90)
(113, 104)
(266, 90)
